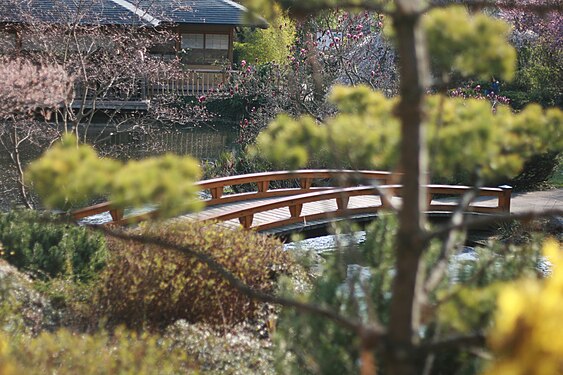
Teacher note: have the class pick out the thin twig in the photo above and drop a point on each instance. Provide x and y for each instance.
(546, 6)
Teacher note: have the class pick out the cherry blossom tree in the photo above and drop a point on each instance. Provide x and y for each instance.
(28, 91)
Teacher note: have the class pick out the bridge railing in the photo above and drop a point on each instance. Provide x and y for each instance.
(377, 182)
(305, 178)
(216, 187)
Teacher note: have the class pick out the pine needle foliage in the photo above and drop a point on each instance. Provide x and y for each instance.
(37, 244)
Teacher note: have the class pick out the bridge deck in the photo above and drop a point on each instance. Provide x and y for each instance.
(322, 211)
(262, 219)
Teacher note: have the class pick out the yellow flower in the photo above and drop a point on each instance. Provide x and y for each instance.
(528, 336)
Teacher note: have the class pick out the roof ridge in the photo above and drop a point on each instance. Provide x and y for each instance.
(138, 11)
(235, 4)
(245, 9)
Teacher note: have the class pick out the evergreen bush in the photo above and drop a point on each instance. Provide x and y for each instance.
(267, 45)
(35, 242)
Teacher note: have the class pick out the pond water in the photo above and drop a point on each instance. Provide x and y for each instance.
(327, 246)
(202, 143)
(205, 143)
(329, 243)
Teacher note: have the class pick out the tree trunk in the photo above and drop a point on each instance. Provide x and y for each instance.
(400, 353)
(16, 159)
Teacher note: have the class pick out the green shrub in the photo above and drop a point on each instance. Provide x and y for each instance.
(538, 77)
(267, 45)
(147, 285)
(32, 243)
(66, 353)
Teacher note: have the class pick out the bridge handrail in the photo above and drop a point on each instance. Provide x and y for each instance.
(262, 180)
(295, 203)
(305, 177)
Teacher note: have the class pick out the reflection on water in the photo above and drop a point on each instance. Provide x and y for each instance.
(202, 143)
(327, 244)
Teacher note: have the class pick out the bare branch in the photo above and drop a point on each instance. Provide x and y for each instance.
(305, 8)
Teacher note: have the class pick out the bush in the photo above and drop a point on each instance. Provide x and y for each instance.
(536, 172)
(267, 45)
(23, 310)
(32, 243)
(66, 353)
(538, 77)
(147, 285)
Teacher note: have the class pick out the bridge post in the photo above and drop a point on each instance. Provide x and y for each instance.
(504, 198)
(342, 202)
(429, 197)
(116, 214)
(295, 210)
(246, 221)
(263, 186)
(216, 192)
(305, 183)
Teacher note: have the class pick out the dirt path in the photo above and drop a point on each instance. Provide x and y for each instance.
(537, 200)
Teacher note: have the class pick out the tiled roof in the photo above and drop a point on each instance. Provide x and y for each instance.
(127, 12)
(104, 12)
(217, 12)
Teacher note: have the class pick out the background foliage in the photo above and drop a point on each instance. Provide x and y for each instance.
(271, 45)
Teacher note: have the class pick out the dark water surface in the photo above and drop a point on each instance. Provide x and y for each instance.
(206, 144)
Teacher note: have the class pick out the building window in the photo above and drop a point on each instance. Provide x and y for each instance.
(205, 48)
(193, 41)
(217, 41)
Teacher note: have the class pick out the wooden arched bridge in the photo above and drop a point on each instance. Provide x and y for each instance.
(316, 197)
